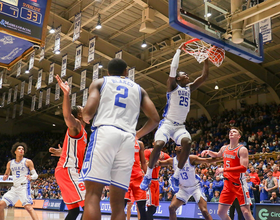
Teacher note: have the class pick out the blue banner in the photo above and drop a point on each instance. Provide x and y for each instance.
(12, 47)
(54, 204)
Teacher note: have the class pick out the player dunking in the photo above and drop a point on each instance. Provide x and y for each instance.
(189, 184)
(115, 103)
(235, 165)
(72, 155)
(21, 169)
(153, 190)
(136, 178)
(176, 110)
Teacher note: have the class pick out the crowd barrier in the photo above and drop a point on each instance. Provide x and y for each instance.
(190, 210)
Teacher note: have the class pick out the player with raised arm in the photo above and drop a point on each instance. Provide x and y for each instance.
(179, 90)
(23, 172)
(235, 165)
(136, 178)
(71, 155)
(114, 101)
(189, 183)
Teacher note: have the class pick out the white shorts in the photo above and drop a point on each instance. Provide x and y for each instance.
(185, 193)
(21, 193)
(109, 157)
(168, 129)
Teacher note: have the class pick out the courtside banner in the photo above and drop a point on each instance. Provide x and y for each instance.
(15, 93)
(3, 99)
(31, 60)
(22, 87)
(42, 54)
(78, 57)
(19, 68)
(267, 211)
(77, 26)
(119, 54)
(54, 204)
(63, 66)
(57, 41)
(40, 100)
(21, 108)
(70, 84)
(83, 80)
(14, 111)
(51, 74)
(9, 96)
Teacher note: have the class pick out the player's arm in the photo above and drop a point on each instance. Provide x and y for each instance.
(199, 80)
(72, 123)
(93, 100)
(149, 109)
(195, 160)
(212, 153)
(33, 172)
(165, 163)
(171, 82)
(142, 156)
(56, 151)
(7, 172)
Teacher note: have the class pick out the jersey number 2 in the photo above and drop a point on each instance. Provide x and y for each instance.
(120, 95)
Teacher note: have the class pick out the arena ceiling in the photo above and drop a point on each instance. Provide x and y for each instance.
(121, 23)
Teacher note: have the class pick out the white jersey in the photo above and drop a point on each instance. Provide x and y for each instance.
(178, 104)
(19, 172)
(120, 100)
(187, 177)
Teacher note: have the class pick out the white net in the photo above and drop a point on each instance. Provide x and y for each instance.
(197, 48)
(201, 50)
(216, 55)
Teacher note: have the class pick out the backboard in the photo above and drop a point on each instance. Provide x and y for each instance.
(228, 24)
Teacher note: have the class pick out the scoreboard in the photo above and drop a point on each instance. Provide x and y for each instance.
(26, 19)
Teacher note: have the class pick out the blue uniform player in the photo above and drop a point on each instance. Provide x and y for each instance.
(179, 90)
(22, 171)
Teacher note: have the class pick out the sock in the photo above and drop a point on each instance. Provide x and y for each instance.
(149, 172)
(177, 173)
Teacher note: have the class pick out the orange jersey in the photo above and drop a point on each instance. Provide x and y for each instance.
(136, 168)
(163, 156)
(73, 150)
(231, 159)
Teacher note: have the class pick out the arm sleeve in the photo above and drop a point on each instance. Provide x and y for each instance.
(34, 175)
(175, 63)
(240, 169)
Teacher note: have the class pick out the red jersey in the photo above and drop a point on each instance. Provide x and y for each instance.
(254, 178)
(231, 159)
(163, 156)
(136, 168)
(73, 150)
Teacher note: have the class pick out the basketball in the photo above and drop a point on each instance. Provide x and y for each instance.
(216, 55)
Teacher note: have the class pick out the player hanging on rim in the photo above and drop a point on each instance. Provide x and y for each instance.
(21, 169)
(136, 178)
(235, 165)
(189, 183)
(114, 101)
(71, 156)
(179, 90)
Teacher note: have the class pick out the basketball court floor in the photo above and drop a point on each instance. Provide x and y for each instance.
(21, 214)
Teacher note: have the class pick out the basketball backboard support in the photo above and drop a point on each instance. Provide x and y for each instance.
(213, 21)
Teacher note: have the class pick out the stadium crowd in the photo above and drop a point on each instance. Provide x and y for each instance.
(261, 135)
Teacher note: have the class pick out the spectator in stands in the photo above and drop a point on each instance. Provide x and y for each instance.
(271, 184)
(274, 198)
(276, 172)
(251, 188)
(211, 192)
(205, 186)
(39, 196)
(218, 184)
(263, 192)
(216, 197)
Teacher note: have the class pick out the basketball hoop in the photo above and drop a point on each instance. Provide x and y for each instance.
(201, 51)
(216, 55)
(197, 48)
